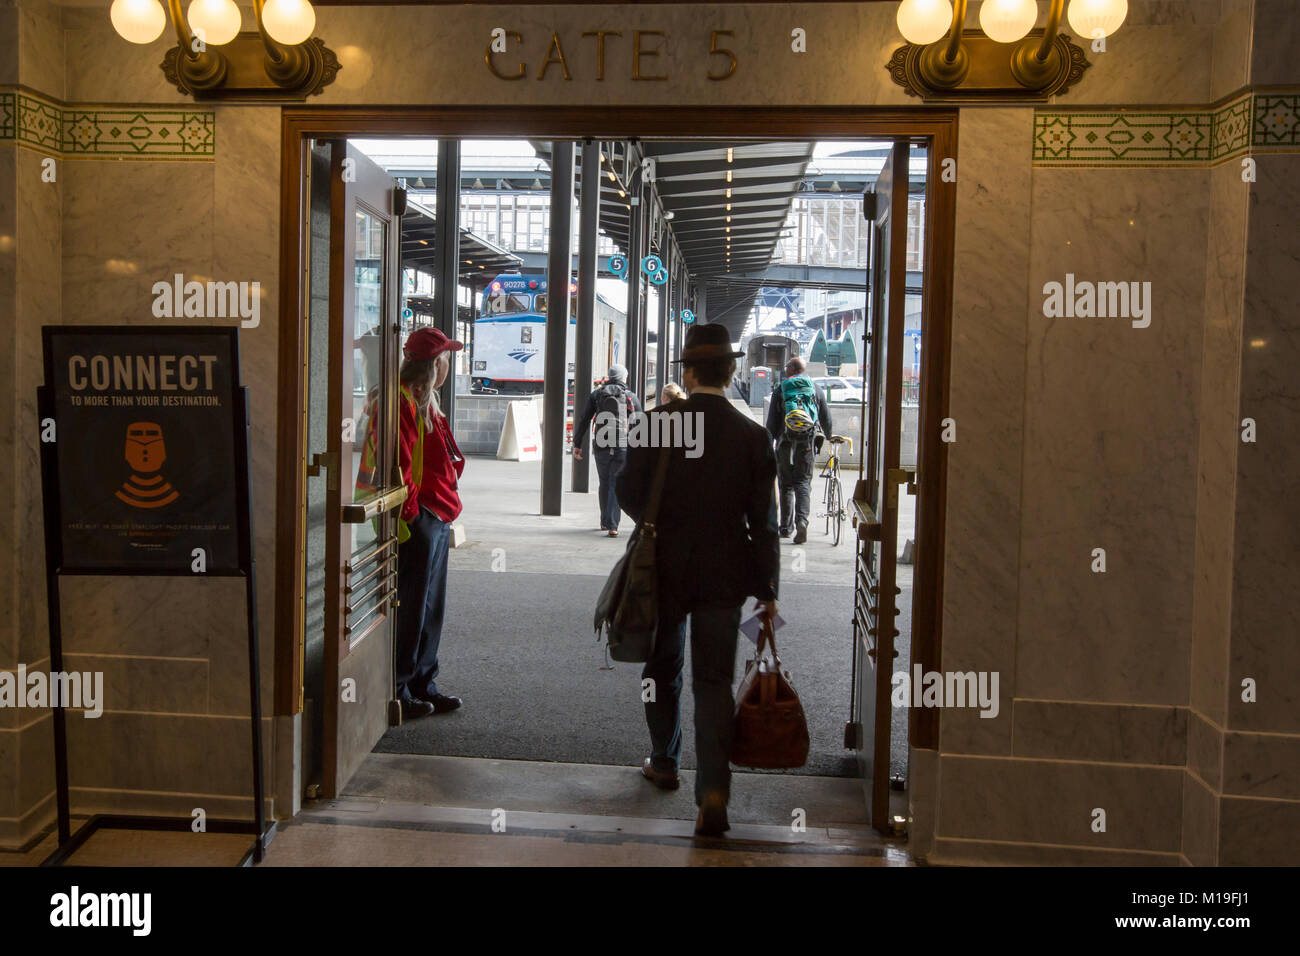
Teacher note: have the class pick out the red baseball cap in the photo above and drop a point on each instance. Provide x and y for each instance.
(427, 343)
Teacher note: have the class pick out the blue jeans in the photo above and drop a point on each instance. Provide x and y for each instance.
(713, 665)
(609, 462)
(422, 591)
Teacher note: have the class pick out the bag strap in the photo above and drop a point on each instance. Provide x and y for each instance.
(767, 636)
(652, 510)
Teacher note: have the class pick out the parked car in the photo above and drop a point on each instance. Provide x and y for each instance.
(840, 390)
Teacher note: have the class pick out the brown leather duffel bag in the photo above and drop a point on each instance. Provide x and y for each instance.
(771, 732)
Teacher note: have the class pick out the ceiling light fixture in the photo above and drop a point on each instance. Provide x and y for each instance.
(281, 58)
(943, 60)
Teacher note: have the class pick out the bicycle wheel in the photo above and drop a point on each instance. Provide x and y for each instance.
(836, 513)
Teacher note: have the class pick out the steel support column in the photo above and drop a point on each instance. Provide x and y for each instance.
(646, 192)
(662, 355)
(632, 349)
(556, 361)
(589, 223)
(446, 253)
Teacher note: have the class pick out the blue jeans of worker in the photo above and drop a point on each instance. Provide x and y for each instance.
(609, 462)
(422, 591)
(713, 665)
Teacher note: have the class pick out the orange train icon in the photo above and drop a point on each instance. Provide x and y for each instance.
(145, 453)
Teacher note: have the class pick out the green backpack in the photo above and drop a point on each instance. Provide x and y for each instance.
(799, 407)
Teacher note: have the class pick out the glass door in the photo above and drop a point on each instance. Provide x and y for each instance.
(875, 605)
(364, 490)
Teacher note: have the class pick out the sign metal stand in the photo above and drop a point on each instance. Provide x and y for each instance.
(149, 339)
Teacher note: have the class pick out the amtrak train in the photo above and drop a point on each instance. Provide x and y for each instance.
(507, 353)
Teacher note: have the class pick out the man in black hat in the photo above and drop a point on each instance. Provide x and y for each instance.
(717, 545)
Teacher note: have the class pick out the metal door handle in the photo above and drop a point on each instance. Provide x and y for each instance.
(372, 507)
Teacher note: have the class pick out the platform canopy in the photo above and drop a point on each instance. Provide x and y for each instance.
(480, 260)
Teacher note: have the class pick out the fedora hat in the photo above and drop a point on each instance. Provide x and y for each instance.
(712, 340)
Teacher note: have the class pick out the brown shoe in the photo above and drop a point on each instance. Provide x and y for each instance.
(712, 821)
(663, 779)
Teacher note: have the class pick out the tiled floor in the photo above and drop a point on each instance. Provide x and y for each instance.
(318, 844)
(417, 810)
(453, 811)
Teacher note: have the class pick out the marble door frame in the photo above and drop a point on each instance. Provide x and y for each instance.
(937, 127)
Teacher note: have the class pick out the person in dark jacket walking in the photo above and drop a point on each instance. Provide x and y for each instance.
(716, 545)
(795, 456)
(609, 407)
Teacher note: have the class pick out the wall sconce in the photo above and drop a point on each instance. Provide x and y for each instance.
(944, 60)
(214, 60)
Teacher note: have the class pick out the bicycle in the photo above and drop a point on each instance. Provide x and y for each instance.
(833, 493)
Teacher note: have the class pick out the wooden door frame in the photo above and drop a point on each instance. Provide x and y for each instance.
(937, 126)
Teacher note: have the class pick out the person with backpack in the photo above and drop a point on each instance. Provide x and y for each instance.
(610, 407)
(798, 408)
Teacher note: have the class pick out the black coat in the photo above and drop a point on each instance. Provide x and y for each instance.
(717, 526)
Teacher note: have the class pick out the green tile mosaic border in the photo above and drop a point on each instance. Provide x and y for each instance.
(1253, 122)
(1266, 121)
(107, 132)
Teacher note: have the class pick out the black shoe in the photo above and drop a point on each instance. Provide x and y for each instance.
(413, 709)
(801, 535)
(441, 703)
(784, 532)
(712, 821)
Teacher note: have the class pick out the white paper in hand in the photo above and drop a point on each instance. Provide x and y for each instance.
(752, 626)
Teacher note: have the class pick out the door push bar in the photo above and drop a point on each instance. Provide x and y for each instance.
(372, 507)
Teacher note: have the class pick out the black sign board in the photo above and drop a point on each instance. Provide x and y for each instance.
(144, 471)
(146, 446)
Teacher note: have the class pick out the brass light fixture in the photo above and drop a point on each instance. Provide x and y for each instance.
(944, 60)
(214, 60)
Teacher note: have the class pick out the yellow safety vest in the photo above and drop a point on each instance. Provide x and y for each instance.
(367, 480)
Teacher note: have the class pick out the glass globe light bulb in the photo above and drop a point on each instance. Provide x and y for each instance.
(924, 21)
(1096, 18)
(216, 22)
(288, 21)
(138, 21)
(1007, 21)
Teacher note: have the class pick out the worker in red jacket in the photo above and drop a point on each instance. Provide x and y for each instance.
(431, 465)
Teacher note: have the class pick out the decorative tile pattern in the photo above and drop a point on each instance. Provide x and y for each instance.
(8, 111)
(40, 123)
(82, 132)
(1277, 119)
(117, 132)
(1141, 138)
(1232, 129)
(1253, 122)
